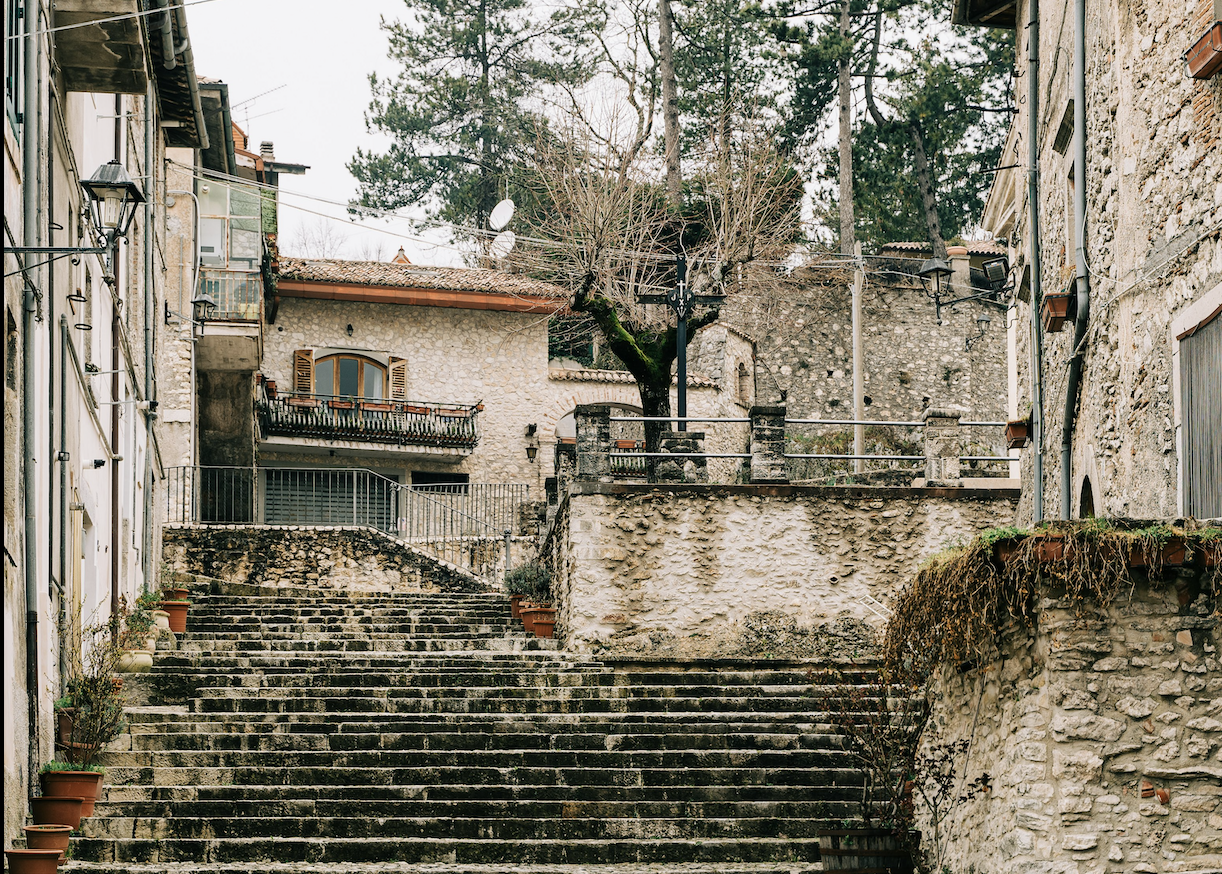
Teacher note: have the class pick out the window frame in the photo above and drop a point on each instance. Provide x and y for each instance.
(363, 361)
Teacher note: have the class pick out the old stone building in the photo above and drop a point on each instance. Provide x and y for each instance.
(1129, 179)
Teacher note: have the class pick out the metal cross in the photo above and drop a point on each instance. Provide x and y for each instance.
(682, 301)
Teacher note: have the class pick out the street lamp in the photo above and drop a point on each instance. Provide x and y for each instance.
(932, 273)
(113, 197)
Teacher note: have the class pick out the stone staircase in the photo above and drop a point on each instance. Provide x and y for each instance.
(425, 732)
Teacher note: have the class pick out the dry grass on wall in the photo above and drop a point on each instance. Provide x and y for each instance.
(962, 598)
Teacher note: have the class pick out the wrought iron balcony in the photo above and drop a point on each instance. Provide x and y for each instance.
(402, 423)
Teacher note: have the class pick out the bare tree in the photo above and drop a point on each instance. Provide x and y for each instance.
(318, 239)
(608, 234)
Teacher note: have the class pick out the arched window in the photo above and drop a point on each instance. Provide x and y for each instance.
(744, 385)
(352, 376)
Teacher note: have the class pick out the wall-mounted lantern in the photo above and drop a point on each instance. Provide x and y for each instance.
(982, 323)
(532, 442)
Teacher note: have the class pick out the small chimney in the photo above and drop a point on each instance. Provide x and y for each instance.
(400, 257)
(266, 151)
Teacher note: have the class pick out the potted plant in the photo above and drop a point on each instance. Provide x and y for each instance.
(70, 780)
(880, 718)
(57, 811)
(1018, 433)
(92, 705)
(174, 601)
(530, 589)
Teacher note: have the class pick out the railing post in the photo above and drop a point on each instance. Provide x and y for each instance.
(507, 557)
(943, 445)
(684, 468)
(768, 445)
(593, 443)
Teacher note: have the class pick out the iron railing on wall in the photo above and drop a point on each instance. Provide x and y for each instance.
(330, 417)
(463, 523)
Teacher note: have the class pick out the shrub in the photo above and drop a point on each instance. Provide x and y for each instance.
(531, 580)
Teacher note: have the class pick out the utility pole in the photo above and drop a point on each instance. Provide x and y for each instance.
(859, 408)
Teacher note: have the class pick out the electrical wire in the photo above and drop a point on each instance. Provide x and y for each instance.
(124, 17)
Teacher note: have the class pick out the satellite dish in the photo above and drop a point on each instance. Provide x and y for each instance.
(501, 214)
(502, 244)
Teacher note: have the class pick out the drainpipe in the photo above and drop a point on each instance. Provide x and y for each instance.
(32, 191)
(1033, 207)
(1082, 279)
(150, 242)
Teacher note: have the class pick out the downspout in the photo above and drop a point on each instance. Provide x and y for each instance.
(1033, 207)
(1082, 279)
(188, 60)
(150, 241)
(32, 191)
(65, 592)
(116, 299)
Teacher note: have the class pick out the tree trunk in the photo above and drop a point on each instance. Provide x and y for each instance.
(848, 236)
(655, 401)
(670, 103)
(933, 223)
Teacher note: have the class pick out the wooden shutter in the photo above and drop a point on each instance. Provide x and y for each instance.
(303, 371)
(398, 378)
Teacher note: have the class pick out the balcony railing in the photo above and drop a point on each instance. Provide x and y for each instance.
(238, 294)
(402, 423)
(467, 524)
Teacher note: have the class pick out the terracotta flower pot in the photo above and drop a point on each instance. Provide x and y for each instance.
(48, 837)
(178, 614)
(32, 861)
(527, 615)
(1172, 553)
(1055, 310)
(1018, 433)
(515, 605)
(1049, 547)
(63, 724)
(1004, 550)
(73, 784)
(545, 628)
(57, 811)
(176, 593)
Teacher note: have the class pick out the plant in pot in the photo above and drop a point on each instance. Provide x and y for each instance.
(137, 638)
(60, 779)
(174, 601)
(49, 836)
(93, 702)
(531, 583)
(880, 717)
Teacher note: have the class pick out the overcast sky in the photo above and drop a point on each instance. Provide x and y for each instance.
(321, 52)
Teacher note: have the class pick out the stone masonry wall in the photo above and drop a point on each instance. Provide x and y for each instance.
(1102, 736)
(1153, 194)
(689, 562)
(356, 559)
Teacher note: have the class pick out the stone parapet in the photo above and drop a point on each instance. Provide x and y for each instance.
(768, 445)
(593, 442)
(943, 446)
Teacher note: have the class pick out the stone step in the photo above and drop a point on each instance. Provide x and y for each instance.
(506, 827)
(420, 850)
(721, 867)
(437, 793)
(452, 740)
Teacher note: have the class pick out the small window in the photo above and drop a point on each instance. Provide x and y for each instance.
(350, 376)
(744, 385)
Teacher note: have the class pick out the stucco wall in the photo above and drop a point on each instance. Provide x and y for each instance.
(468, 356)
(695, 560)
(1102, 736)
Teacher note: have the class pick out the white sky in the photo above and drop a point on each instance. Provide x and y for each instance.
(322, 51)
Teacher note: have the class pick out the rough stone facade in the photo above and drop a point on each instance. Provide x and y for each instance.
(805, 348)
(689, 562)
(1102, 736)
(1153, 193)
(354, 559)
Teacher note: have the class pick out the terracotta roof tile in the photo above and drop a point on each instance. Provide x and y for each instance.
(979, 247)
(384, 274)
(619, 376)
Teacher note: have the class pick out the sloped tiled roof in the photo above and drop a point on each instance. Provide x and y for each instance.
(619, 376)
(383, 274)
(979, 247)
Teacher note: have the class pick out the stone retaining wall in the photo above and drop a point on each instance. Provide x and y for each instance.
(1102, 736)
(355, 559)
(638, 567)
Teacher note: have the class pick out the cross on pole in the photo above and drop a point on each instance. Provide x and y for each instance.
(682, 301)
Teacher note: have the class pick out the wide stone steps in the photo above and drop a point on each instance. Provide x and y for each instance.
(372, 848)
(419, 733)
